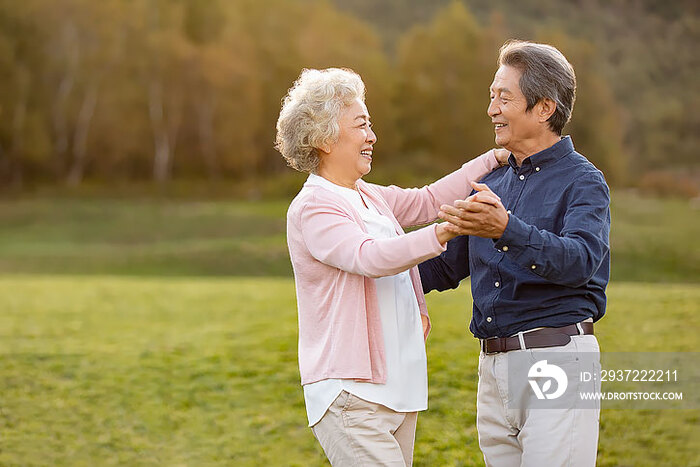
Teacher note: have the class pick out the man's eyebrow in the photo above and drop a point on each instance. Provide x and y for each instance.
(362, 116)
(501, 90)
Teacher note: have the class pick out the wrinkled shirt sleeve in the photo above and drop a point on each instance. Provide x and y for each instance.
(573, 257)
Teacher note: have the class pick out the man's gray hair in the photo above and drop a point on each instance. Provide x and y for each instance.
(546, 74)
(310, 112)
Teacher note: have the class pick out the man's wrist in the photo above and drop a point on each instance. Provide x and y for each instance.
(515, 233)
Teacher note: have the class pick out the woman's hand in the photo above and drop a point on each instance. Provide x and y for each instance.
(502, 156)
(445, 232)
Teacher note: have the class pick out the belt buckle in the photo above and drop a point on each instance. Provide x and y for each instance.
(484, 345)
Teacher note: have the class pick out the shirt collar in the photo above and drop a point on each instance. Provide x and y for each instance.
(317, 180)
(545, 157)
(351, 195)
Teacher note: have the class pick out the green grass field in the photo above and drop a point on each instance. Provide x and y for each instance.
(141, 332)
(143, 237)
(196, 371)
(652, 240)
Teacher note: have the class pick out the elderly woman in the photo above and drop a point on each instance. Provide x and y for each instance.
(362, 314)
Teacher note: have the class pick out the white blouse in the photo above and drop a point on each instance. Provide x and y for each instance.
(406, 388)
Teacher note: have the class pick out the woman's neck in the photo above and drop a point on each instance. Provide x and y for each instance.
(334, 178)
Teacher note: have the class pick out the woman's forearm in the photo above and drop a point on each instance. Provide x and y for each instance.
(416, 206)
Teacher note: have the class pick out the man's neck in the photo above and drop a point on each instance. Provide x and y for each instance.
(534, 146)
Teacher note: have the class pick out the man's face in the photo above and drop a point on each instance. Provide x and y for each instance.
(514, 127)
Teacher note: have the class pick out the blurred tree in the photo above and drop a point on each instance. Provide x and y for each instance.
(445, 69)
(597, 125)
(121, 143)
(449, 74)
(24, 141)
(355, 46)
(229, 106)
(274, 28)
(157, 89)
(646, 54)
(289, 36)
(74, 64)
(98, 57)
(204, 23)
(165, 55)
(13, 98)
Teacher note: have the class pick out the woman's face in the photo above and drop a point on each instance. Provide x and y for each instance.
(351, 156)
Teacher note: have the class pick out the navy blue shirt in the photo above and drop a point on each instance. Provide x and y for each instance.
(552, 264)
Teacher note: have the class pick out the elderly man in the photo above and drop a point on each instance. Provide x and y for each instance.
(538, 255)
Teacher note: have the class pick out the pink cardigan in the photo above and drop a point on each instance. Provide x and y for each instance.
(335, 261)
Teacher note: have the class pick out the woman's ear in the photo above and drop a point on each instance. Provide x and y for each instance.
(324, 148)
(545, 109)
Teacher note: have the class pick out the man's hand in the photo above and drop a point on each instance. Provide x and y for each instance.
(482, 214)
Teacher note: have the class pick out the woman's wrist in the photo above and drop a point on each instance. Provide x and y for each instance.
(443, 234)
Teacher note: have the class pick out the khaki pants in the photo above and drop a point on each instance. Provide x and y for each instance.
(533, 437)
(355, 432)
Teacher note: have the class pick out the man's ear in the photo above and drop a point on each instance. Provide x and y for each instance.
(545, 108)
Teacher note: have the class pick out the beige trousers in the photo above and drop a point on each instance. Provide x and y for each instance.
(355, 432)
(533, 437)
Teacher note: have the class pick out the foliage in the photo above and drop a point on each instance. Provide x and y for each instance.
(444, 83)
(134, 371)
(161, 88)
(113, 91)
(642, 53)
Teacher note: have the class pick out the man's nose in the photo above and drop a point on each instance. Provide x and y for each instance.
(493, 109)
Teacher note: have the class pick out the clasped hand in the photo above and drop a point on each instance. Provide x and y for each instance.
(482, 214)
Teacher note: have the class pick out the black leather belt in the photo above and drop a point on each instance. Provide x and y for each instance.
(545, 337)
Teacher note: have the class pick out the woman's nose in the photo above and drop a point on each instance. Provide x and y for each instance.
(371, 136)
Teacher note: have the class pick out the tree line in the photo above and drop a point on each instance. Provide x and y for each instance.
(186, 89)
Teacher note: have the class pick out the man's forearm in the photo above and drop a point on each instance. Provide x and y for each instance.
(447, 270)
(570, 259)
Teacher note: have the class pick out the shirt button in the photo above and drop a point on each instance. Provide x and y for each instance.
(505, 248)
(497, 284)
(488, 320)
(533, 267)
(522, 177)
(537, 169)
(508, 211)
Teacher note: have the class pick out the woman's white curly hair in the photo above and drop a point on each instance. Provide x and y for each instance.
(310, 111)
